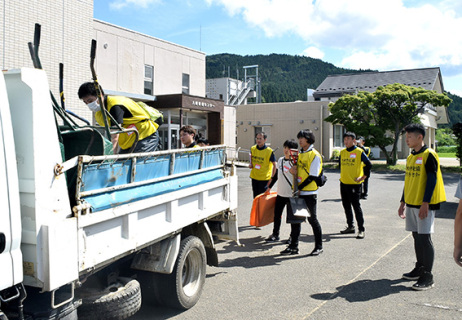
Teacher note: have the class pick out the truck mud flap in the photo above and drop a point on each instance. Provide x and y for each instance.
(225, 227)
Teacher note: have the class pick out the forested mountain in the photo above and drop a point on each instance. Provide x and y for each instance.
(454, 110)
(283, 77)
(286, 78)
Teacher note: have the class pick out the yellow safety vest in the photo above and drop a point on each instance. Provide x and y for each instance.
(303, 164)
(416, 179)
(367, 151)
(351, 167)
(262, 166)
(139, 120)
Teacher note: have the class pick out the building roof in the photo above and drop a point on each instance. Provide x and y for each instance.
(337, 85)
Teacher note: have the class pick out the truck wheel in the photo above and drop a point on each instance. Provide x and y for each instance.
(185, 283)
(118, 301)
(3, 316)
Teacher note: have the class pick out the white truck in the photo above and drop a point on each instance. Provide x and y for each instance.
(83, 233)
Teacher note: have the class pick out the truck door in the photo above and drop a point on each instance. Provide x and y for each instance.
(10, 217)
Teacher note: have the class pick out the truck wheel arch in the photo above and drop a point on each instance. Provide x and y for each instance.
(202, 231)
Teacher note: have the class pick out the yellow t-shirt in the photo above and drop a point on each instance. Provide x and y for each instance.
(262, 166)
(139, 120)
(351, 166)
(415, 180)
(304, 165)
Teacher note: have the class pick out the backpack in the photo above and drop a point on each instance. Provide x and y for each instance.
(154, 114)
(321, 179)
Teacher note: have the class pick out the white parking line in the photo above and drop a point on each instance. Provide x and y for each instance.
(355, 278)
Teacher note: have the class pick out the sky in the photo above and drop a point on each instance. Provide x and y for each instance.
(381, 35)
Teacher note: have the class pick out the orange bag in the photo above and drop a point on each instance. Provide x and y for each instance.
(262, 212)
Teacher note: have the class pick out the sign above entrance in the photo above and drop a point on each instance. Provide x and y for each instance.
(203, 104)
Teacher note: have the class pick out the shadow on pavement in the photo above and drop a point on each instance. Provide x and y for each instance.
(364, 290)
(331, 200)
(262, 261)
(447, 210)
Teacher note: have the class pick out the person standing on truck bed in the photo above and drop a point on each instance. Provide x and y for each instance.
(263, 165)
(128, 114)
(187, 137)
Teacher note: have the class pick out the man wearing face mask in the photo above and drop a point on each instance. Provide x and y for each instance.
(128, 114)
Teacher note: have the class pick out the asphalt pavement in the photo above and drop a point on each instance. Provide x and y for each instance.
(352, 279)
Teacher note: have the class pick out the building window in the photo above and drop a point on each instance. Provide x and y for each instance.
(338, 135)
(185, 84)
(148, 79)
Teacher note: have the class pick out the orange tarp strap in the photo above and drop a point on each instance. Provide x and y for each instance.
(262, 212)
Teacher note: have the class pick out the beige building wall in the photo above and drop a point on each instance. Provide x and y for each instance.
(229, 126)
(122, 55)
(66, 32)
(282, 121)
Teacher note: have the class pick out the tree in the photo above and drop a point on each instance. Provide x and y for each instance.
(457, 129)
(382, 115)
(445, 137)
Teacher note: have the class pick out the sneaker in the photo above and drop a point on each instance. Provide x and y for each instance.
(414, 274)
(360, 235)
(290, 251)
(425, 282)
(272, 238)
(316, 252)
(364, 197)
(348, 230)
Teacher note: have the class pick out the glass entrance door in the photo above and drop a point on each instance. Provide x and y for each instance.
(172, 140)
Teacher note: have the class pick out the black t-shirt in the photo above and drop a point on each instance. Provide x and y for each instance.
(119, 112)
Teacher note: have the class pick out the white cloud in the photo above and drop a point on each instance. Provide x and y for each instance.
(120, 4)
(313, 52)
(382, 35)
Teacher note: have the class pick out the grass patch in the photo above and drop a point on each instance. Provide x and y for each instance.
(447, 155)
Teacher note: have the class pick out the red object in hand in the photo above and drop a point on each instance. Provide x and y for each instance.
(293, 156)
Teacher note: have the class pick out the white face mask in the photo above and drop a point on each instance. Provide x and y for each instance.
(94, 106)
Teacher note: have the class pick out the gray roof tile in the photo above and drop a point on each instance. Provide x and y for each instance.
(369, 81)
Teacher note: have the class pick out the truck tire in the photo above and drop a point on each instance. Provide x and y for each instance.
(116, 302)
(3, 316)
(184, 285)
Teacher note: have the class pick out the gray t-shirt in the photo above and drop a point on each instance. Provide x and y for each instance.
(459, 190)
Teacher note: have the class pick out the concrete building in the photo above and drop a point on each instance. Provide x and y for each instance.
(163, 74)
(66, 33)
(232, 91)
(282, 121)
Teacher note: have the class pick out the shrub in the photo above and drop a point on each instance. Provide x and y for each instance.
(335, 155)
(447, 149)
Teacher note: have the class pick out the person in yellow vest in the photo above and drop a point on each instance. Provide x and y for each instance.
(458, 227)
(128, 114)
(262, 163)
(187, 137)
(361, 143)
(422, 195)
(354, 168)
(309, 167)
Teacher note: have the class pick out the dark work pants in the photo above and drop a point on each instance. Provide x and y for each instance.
(424, 250)
(148, 144)
(310, 201)
(259, 187)
(365, 187)
(351, 194)
(279, 206)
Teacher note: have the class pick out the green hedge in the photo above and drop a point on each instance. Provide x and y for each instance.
(447, 149)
